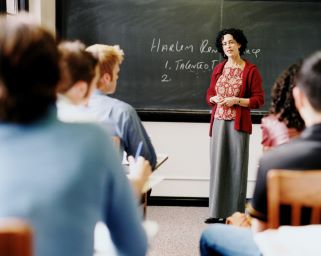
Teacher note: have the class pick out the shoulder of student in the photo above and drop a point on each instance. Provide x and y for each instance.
(298, 154)
(85, 133)
(122, 108)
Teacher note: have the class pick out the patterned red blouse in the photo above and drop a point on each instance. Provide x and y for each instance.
(228, 85)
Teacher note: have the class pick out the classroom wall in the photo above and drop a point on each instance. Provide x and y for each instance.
(45, 12)
(186, 172)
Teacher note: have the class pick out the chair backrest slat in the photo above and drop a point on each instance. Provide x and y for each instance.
(315, 216)
(295, 188)
(296, 214)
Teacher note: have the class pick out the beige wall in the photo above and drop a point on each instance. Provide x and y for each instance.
(45, 12)
(186, 171)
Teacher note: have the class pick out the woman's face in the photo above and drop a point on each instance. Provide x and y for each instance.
(230, 46)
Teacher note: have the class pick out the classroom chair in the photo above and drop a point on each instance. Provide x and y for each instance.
(15, 237)
(297, 189)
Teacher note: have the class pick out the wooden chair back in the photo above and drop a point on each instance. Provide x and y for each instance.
(297, 189)
(15, 238)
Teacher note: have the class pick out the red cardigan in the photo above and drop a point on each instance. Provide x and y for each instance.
(251, 88)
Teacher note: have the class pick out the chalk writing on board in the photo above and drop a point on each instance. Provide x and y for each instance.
(159, 46)
(206, 48)
(172, 52)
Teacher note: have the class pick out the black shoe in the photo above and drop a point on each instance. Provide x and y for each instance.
(215, 220)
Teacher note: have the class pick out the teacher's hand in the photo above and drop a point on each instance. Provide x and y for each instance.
(216, 99)
(229, 101)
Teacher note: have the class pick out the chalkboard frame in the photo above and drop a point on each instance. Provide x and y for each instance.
(185, 116)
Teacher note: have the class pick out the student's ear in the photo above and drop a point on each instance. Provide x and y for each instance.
(106, 78)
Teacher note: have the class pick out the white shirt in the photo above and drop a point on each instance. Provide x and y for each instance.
(71, 113)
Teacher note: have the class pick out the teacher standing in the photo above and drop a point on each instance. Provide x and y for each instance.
(235, 89)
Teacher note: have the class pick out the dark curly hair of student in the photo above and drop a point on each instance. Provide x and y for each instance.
(237, 34)
(29, 70)
(282, 101)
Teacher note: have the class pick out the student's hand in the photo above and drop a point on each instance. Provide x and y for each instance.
(139, 172)
(239, 219)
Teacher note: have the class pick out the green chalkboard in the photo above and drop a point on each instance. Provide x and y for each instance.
(169, 44)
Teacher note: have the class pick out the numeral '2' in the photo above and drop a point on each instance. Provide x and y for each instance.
(165, 78)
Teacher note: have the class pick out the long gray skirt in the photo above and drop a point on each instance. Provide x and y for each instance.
(229, 153)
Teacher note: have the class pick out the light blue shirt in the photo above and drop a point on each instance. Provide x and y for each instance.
(63, 178)
(123, 121)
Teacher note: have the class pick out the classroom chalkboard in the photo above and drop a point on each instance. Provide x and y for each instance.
(169, 44)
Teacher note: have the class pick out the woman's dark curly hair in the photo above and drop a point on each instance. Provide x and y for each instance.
(282, 103)
(237, 34)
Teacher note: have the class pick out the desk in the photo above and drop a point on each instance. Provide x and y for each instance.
(152, 181)
(161, 158)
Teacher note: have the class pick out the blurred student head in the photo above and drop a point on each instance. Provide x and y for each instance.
(282, 101)
(79, 72)
(29, 70)
(307, 93)
(110, 58)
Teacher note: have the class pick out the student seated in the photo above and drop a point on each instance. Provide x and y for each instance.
(120, 116)
(78, 70)
(283, 121)
(79, 76)
(60, 177)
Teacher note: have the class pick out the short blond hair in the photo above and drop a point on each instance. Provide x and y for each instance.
(108, 55)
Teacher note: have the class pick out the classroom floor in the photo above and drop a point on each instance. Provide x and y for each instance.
(179, 230)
